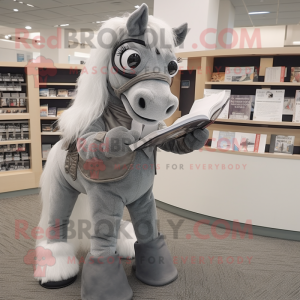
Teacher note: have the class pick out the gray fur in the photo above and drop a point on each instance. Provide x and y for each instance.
(108, 199)
(138, 20)
(180, 34)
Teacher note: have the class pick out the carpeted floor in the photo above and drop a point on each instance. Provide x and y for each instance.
(224, 273)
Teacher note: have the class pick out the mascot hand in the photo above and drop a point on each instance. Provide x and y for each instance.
(118, 140)
(196, 139)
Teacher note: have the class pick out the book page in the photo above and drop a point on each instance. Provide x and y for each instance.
(209, 92)
(268, 105)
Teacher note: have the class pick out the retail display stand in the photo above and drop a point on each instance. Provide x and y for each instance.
(207, 62)
(62, 76)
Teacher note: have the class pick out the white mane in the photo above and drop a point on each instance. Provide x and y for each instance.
(91, 96)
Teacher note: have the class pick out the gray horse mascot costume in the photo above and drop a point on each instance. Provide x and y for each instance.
(91, 174)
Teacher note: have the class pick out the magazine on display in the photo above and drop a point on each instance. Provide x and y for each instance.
(218, 76)
(268, 105)
(202, 114)
(209, 92)
(239, 141)
(296, 116)
(44, 92)
(282, 144)
(288, 106)
(240, 107)
(295, 74)
(62, 93)
(275, 74)
(44, 110)
(239, 74)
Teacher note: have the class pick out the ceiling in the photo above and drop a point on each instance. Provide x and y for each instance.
(77, 13)
(282, 12)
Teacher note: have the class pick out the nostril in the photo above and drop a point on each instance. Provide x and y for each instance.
(142, 103)
(169, 109)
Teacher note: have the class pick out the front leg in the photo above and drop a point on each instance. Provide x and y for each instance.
(153, 261)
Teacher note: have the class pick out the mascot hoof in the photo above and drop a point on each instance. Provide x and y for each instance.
(58, 284)
(153, 263)
(55, 265)
(103, 278)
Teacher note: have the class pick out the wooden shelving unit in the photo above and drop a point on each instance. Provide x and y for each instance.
(29, 178)
(58, 83)
(206, 62)
(51, 133)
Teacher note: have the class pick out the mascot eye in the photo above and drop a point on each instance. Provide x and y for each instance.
(130, 59)
(127, 59)
(173, 68)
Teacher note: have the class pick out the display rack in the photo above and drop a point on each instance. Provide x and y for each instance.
(29, 178)
(65, 78)
(206, 62)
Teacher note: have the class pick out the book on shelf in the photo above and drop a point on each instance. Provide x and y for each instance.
(295, 74)
(44, 110)
(296, 115)
(44, 92)
(202, 114)
(275, 74)
(239, 74)
(239, 141)
(62, 93)
(240, 107)
(45, 150)
(60, 111)
(71, 93)
(209, 92)
(282, 144)
(52, 92)
(268, 105)
(52, 112)
(288, 106)
(218, 76)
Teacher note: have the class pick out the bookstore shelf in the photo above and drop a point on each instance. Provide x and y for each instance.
(56, 98)
(19, 116)
(49, 118)
(11, 142)
(253, 83)
(15, 172)
(263, 123)
(266, 154)
(57, 83)
(51, 133)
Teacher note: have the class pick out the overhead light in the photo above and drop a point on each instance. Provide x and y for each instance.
(27, 27)
(258, 12)
(98, 22)
(137, 6)
(7, 37)
(20, 2)
(30, 5)
(296, 42)
(4, 40)
(63, 25)
(82, 54)
(16, 9)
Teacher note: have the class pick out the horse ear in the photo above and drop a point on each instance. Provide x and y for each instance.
(180, 34)
(138, 21)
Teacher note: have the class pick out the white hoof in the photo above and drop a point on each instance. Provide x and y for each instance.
(53, 262)
(126, 240)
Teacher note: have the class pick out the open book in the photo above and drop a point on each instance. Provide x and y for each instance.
(202, 114)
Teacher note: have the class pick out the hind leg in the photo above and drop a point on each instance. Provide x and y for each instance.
(55, 256)
(103, 276)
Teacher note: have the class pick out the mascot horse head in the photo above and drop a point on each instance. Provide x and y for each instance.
(132, 66)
